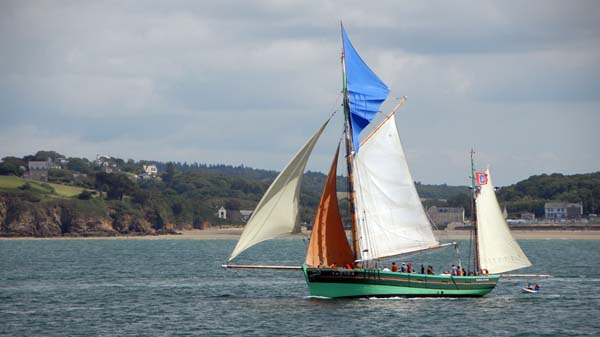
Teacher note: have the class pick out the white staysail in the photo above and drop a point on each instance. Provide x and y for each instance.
(391, 218)
(498, 250)
(277, 211)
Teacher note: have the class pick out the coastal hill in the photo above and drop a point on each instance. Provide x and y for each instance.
(49, 194)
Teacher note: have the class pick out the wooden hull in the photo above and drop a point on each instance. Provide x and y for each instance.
(377, 283)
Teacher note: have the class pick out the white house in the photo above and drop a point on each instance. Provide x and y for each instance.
(151, 170)
(563, 210)
(107, 163)
(222, 213)
(38, 170)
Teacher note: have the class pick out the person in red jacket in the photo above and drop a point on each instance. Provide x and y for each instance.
(394, 266)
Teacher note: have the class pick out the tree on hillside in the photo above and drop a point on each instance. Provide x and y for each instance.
(170, 174)
(10, 169)
(44, 155)
(116, 185)
(15, 160)
(131, 166)
(79, 164)
(60, 176)
(232, 204)
(531, 194)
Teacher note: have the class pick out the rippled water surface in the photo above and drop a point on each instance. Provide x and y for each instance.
(168, 287)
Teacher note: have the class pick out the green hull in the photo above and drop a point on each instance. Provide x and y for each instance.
(377, 283)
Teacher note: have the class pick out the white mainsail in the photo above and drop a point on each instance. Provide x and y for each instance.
(391, 218)
(498, 250)
(277, 211)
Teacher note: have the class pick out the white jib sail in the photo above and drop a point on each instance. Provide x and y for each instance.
(391, 218)
(277, 211)
(498, 250)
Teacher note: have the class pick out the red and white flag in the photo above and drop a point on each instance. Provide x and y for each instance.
(481, 178)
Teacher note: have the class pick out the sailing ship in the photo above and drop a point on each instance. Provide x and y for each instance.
(387, 217)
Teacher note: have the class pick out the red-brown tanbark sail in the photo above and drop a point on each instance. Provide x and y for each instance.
(328, 242)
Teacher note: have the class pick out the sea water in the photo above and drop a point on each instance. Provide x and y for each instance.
(176, 287)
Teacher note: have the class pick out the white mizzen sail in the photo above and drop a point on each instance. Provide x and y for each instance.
(277, 211)
(391, 218)
(498, 250)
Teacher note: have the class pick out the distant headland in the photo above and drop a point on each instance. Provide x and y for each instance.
(47, 194)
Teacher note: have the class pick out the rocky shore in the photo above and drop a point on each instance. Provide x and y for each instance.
(68, 217)
(20, 217)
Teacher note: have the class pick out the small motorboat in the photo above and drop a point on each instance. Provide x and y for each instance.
(531, 290)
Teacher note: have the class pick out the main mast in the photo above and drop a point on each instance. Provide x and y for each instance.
(349, 153)
(474, 208)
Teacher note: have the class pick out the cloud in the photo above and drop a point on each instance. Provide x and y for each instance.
(248, 82)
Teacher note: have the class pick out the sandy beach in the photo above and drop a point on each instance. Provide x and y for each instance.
(529, 234)
(234, 234)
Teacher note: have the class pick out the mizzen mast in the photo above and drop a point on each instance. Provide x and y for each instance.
(474, 211)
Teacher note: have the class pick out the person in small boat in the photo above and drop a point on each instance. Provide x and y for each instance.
(536, 287)
(403, 268)
(394, 266)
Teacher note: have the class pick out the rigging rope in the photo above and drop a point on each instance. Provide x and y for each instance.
(470, 243)
(335, 106)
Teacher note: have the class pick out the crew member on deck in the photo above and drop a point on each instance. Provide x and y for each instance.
(394, 266)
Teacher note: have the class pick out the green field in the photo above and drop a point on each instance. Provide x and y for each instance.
(12, 182)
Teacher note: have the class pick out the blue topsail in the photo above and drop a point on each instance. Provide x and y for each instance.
(366, 91)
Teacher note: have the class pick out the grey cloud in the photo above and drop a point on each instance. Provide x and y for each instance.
(248, 82)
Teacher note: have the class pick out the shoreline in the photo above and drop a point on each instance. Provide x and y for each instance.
(234, 234)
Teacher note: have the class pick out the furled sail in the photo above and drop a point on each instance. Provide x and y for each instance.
(498, 250)
(391, 218)
(277, 211)
(328, 242)
(366, 91)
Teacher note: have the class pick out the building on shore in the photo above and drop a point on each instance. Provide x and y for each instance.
(245, 214)
(37, 170)
(151, 170)
(442, 216)
(528, 216)
(563, 210)
(222, 213)
(234, 216)
(107, 163)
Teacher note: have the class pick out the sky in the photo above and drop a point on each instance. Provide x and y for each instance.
(248, 82)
